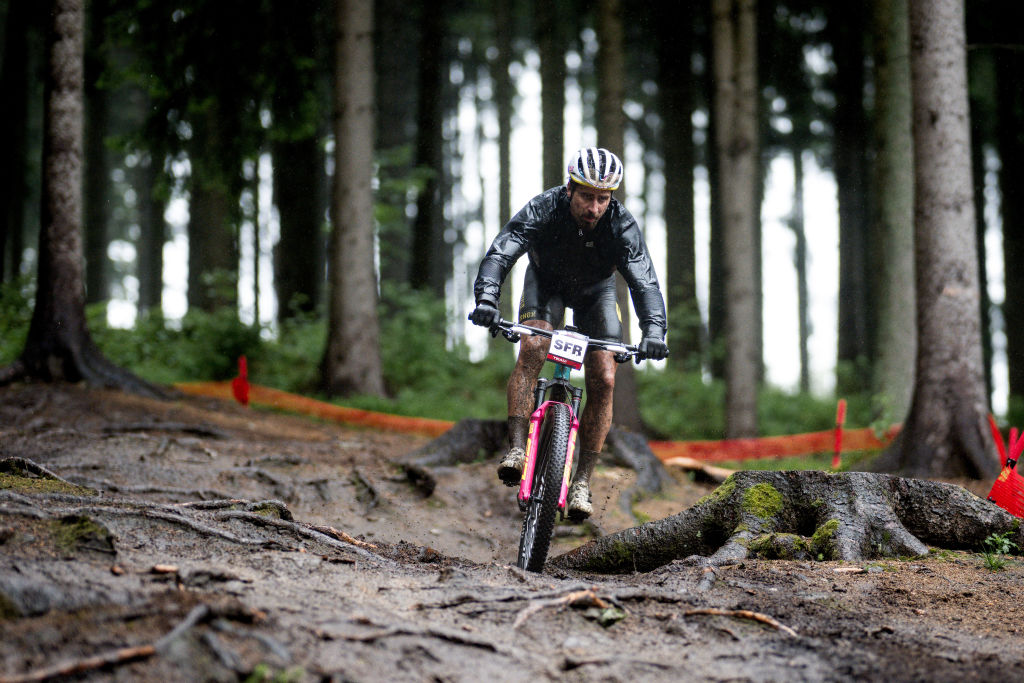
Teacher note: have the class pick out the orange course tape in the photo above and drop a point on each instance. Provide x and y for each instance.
(283, 400)
(708, 451)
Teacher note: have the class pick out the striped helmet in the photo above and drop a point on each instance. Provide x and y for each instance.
(597, 168)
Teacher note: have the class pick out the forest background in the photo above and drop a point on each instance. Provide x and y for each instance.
(210, 142)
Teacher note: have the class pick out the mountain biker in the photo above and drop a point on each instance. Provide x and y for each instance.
(577, 236)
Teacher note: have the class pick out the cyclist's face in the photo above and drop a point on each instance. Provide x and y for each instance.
(587, 205)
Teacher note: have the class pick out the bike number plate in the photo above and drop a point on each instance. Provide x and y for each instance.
(568, 348)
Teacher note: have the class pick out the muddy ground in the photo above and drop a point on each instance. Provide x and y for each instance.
(216, 542)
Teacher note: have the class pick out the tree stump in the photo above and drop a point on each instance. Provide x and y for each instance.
(806, 514)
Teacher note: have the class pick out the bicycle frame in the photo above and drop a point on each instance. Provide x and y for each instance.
(561, 378)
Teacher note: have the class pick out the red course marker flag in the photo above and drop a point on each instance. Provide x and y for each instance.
(840, 421)
(240, 384)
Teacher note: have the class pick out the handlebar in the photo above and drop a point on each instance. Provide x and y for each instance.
(513, 331)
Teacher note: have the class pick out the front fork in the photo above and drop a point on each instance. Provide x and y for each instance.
(533, 438)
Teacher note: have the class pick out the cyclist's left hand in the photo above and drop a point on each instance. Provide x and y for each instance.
(653, 348)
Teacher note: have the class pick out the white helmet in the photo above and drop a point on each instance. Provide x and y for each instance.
(597, 168)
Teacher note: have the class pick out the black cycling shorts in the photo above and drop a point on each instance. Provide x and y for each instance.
(595, 309)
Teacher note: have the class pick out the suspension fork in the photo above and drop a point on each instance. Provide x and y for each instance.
(561, 378)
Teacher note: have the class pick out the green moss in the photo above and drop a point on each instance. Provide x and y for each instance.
(723, 492)
(762, 500)
(823, 544)
(779, 546)
(8, 610)
(620, 554)
(24, 484)
(268, 510)
(78, 531)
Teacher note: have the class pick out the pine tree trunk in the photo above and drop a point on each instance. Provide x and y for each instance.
(97, 164)
(893, 215)
(427, 272)
(13, 123)
(611, 135)
(551, 44)
(845, 32)
(736, 111)
(946, 434)
(676, 106)
(352, 358)
(58, 346)
(1010, 140)
(800, 257)
(152, 232)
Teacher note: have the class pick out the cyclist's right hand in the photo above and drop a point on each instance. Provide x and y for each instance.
(485, 314)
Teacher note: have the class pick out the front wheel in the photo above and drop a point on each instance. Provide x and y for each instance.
(539, 521)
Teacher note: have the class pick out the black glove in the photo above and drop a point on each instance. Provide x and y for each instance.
(653, 348)
(485, 314)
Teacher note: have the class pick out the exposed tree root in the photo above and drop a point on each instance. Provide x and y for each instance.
(202, 517)
(64, 359)
(116, 656)
(742, 614)
(581, 598)
(803, 515)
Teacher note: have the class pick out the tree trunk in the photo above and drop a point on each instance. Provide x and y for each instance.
(14, 83)
(675, 105)
(611, 72)
(213, 213)
(299, 253)
(945, 434)
(352, 358)
(298, 158)
(397, 28)
(97, 163)
(796, 223)
(427, 271)
(152, 232)
(1010, 141)
(805, 515)
(504, 94)
(845, 32)
(736, 128)
(893, 215)
(58, 346)
(551, 43)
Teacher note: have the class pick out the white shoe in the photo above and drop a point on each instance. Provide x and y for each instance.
(579, 501)
(510, 471)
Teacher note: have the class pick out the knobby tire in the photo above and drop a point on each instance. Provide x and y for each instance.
(539, 521)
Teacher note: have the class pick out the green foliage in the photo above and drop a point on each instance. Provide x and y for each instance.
(995, 548)
(681, 405)
(785, 413)
(204, 346)
(15, 317)
(427, 376)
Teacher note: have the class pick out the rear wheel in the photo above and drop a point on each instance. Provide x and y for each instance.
(539, 521)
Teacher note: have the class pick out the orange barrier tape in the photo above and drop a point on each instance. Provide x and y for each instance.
(283, 400)
(772, 446)
(707, 451)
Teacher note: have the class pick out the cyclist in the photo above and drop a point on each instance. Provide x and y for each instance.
(577, 236)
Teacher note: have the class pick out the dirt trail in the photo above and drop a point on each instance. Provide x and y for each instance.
(339, 570)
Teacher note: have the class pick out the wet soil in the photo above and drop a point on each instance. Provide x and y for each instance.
(211, 541)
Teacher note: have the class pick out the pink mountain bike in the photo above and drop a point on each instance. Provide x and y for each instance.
(551, 444)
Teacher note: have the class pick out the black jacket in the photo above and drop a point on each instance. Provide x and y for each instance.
(568, 260)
